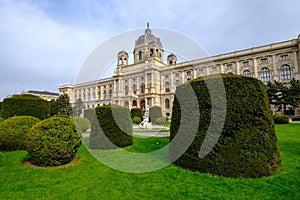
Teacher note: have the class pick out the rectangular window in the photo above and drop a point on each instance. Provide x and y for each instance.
(264, 60)
(284, 57)
(188, 73)
(229, 66)
(245, 63)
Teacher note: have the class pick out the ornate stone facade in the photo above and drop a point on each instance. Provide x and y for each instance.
(151, 81)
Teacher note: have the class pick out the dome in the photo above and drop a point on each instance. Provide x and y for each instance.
(171, 55)
(122, 53)
(148, 39)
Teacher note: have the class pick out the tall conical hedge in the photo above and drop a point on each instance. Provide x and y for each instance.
(247, 145)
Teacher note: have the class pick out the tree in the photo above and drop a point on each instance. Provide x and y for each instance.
(63, 105)
(77, 109)
(53, 107)
(281, 95)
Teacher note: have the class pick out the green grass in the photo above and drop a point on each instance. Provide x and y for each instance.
(90, 179)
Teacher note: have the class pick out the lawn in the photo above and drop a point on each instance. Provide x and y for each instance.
(90, 179)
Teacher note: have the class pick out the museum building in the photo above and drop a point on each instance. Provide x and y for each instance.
(150, 81)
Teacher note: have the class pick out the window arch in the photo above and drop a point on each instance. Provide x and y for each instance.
(285, 72)
(134, 103)
(134, 88)
(126, 104)
(142, 88)
(177, 82)
(265, 75)
(140, 55)
(167, 103)
(247, 73)
(167, 86)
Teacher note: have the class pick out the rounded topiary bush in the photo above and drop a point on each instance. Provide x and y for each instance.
(137, 120)
(13, 132)
(112, 128)
(25, 105)
(53, 141)
(82, 123)
(161, 120)
(247, 145)
(280, 119)
(136, 112)
(154, 113)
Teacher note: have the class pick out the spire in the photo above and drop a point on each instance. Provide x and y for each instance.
(147, 24)
(148, 30)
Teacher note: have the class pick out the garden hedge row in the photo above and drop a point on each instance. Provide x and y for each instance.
(112, 128)
(280, 119)
(136, 112)
(247, 146)
(13, 132)
(25, 105)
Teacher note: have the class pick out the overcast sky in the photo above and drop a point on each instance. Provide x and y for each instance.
(44, 43)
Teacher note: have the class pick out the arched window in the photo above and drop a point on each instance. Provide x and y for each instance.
(134, 88)
(151, 52)
(285, 72)
(126, 104)
(177, 82)
(247, 73)
(167, 103)
(140, 55)
(265, 74)
(126, 90)
(167, 86)
(134, 103)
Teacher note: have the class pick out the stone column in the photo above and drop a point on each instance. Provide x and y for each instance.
(194, 73)
(182, 77)
(238, 68)
(172, 83)
(275, 72)
(296, 62)
(255, 75)
(221, 68)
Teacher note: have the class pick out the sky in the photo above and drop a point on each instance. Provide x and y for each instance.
(44, 43)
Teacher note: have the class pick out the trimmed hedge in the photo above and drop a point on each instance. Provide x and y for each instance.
(154, 113)
(280, 119)
(136, 112)
(13, 132)
(25, 105)
(137, 120)
(247, 146)
(1, 119)
(112, 128)
(161, 121)
(89, 114)
(53, 141)
(82, 123)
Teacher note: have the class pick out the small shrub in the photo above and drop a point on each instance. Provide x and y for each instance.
(25, 105)
(280, 119)
(136, 112)
(161, 120)
(108, 133)
(1, 119)
(13, 132)
(137, 120)
(82, 123)
(154, 113)
(53, 141)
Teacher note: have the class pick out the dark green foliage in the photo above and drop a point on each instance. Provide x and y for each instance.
(247, 145)
(53, 141)
(63, 105)
(280, 119)
(77, 109)
(137, 120)
(112, 129)
(82, 123)
(25, 105)
(1, 119)
(13, 132)
(0, 108)
(154, 113)
(90, 114)
(161, 120)
(136, 112)
(53, 107)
